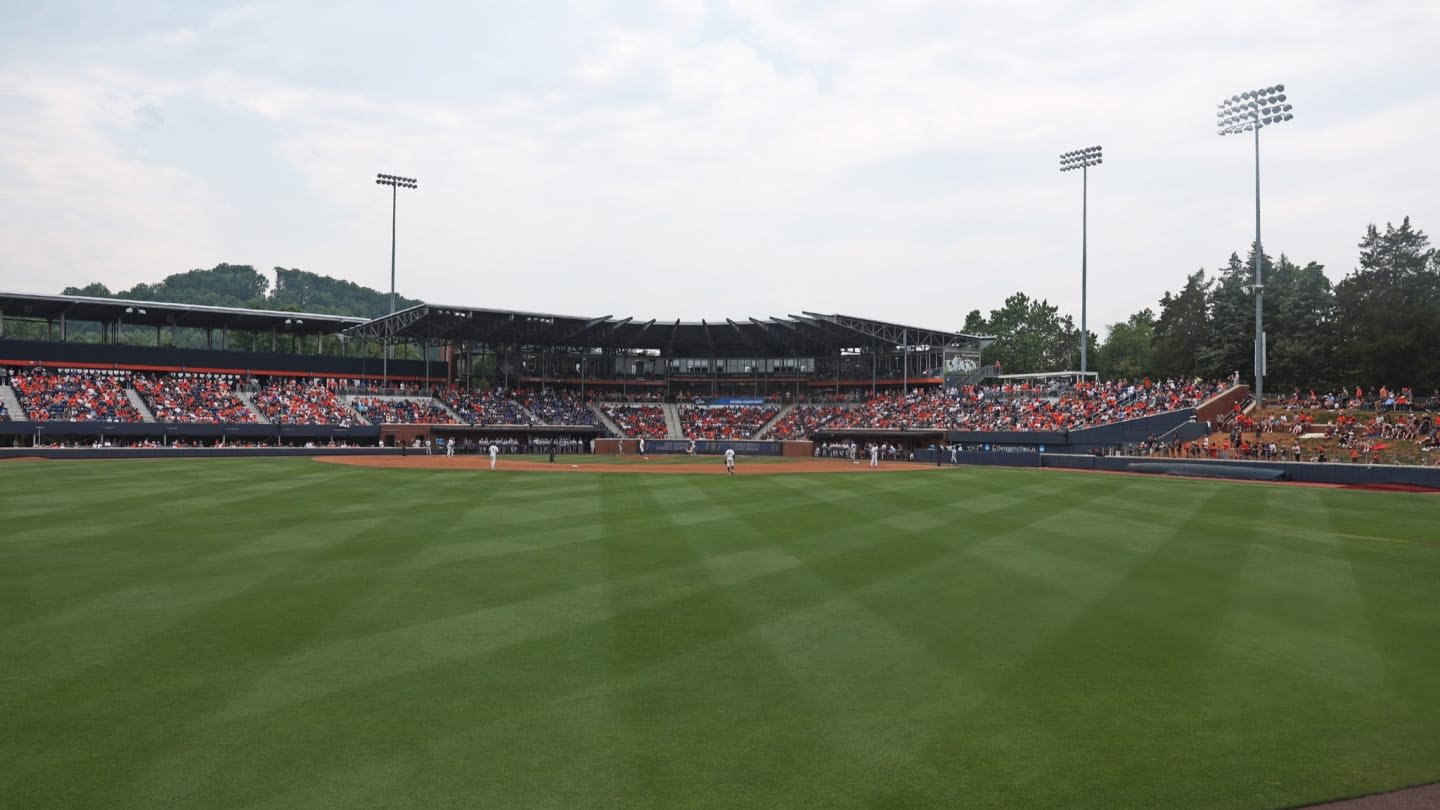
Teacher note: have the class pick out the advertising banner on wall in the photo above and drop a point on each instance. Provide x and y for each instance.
(958, 365)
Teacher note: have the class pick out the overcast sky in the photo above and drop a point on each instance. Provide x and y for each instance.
(676, 159)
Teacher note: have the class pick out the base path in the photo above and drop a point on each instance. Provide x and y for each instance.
(1422, 797)
(660, 466)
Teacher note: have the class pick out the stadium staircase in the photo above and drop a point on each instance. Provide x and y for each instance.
(980, 375)
(673, 427)
(139, 403)
(527, 413)
(604, 420)
(260, 417)
(765, 428)
(454, 414)
(12, 404)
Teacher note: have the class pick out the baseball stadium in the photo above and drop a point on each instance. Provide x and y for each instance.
(278, 559)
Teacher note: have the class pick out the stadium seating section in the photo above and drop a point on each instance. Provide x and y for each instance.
(638, 421)
(402, 411)
(1022, 407)
(302, 403)
(558, 408)
(494, 407)
(194, 399)
(803, 421)
(74, 396)
(724, 421)
(85, 395)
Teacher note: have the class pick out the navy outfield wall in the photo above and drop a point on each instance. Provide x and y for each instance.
(1303, 471)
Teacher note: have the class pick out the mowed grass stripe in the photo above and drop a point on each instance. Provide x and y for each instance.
(305, 635)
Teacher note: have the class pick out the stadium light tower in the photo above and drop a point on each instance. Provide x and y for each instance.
(1244, 112)
(1082, 159)
(395, 183)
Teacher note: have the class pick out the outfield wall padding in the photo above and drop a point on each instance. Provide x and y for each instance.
(1306, 472)
(1301, 471)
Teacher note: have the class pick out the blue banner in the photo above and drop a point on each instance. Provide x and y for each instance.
(736, 401)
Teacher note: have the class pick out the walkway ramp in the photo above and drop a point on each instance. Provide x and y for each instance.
(673, 428)
(12, 404)
(764, 430)
(139, 402)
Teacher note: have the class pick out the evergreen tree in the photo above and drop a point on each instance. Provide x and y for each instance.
(1300, 322)
(1183, 328)
(1230, 346)
(1388, 310)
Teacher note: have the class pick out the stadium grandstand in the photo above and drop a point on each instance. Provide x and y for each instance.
(101, 370)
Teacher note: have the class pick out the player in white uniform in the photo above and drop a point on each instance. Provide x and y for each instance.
(494, 454)
(874, 455)
(730, 460)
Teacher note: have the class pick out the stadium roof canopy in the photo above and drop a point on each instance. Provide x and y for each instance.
(807, 333)
(80, 308)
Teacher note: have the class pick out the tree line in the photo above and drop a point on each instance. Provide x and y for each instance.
(242, 286)
(1380, 325)
(238, 286)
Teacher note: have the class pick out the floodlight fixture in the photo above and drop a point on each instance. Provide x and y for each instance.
(1083, 159)
(1252, 111)
(395, 182)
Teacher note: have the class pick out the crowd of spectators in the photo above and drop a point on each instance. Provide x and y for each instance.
(402, 411)
(724, 421)
(638, 421)
(1023, 407)
(192, 398)
(497, 406)
(301, 402)
(557, 408)
(804, 420)
(1383, 398)
(73, 395)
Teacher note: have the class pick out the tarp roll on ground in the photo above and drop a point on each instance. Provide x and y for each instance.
(1208, 471)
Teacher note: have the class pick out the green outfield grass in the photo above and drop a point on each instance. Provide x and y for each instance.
(286, 633)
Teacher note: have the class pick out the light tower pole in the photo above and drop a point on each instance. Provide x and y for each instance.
(1244, 112)
(1083, 159)
(395, 183)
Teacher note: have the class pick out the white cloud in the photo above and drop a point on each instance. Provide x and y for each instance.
(685, 160)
